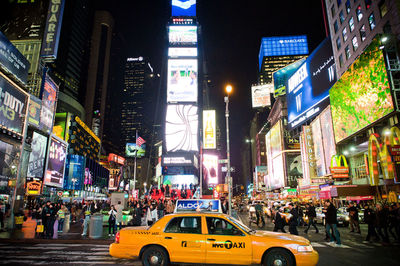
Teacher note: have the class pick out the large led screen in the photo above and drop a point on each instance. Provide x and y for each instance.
(261, 172)
(37, 156)
(294, 168)
(186, 8)
(56, 163)
(281, 76)
(261, 95)
(273, 142)
(210, 169)
(182, 80)
(362, 95)
(133, 150)
(308, 88)
(49, 100)
(182, 35)
(74, 172)
(182, 52)
(181, 127)
(209, 130)
(318, 148)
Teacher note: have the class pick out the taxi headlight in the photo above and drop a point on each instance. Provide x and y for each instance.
(347, 218)
(308, 248)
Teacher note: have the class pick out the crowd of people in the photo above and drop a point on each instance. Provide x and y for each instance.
(383, 220)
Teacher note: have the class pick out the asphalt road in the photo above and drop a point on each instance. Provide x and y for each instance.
(42, 252)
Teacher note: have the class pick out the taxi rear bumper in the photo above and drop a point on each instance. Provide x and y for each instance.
(123, 251)
(306, 258)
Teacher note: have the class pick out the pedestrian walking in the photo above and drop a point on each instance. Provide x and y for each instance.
(2, 214)
(61, 217)
(112, 220)
(160, 209)
(119, 217)
(311, 214)
(369, 219)
(259, 213)
(392, 222)
(353, 215)
(331, 222)
(137, 215)
(293, 219)
(278, 221)
(48, 216)
(381, 223)
(87, 212)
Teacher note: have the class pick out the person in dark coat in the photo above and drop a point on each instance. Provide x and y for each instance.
(369, 219)
(278, 221)
(311, 214)
(353, 214)
(137, 215)
(48, 217)
(293, 219)
(381, 223)
(167, 190)
(331, 222)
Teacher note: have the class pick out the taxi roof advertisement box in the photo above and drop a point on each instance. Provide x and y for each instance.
(12, 60)
(308, 88)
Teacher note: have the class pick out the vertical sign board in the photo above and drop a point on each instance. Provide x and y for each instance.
(56, 162)
(52, 30)
(209, 129)
(37, 156)
(49, 100)
(210, 169)
(34, 112)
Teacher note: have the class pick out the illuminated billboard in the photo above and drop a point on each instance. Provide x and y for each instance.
(184, 8)
(281, 76)
(274, 146)
(261, 173)
(37, 156)
(49, 100)
(261, 95)
(181, 127)
(210, 169)
(179, 180)
(56, 162)
(133, 150)
(182, 80)
(283, 45)
(209, 129)
(362, 95)
(182, 52)
(308, 88)
(182, 35)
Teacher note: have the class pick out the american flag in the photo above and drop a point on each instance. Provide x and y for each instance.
(140, 141)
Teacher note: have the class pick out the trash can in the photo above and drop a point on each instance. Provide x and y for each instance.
(96, 226)
(67, 221)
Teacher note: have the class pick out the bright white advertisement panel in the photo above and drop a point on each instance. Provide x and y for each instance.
(209, 130)
(182, 80)
(182, 52)
(261, 95)
(181, 127)
(182, 35)
(210, 169)
(56, 163)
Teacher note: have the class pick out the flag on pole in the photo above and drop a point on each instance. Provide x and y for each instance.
(140, 141)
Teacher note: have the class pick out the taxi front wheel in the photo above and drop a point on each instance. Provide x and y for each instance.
(155, 256)
(278, 257)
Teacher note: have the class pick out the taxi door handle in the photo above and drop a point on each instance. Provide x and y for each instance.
(168, 237)
(210, 239)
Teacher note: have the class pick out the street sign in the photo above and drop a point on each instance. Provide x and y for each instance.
(223, 161)
(224, 169)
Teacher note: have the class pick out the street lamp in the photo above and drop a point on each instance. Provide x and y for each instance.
(228, 90)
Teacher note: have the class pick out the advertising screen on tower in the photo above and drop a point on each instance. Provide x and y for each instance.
(133, 150)
(209, 129)
(182, 80)
(210, 169)
(308, 88)
(182, 35)
(261, 95)
(49, 100)
(281, 76)
(56, 162)
(181, 128)
(37, 156)
(174, 52)
(362, 95)
(186, 8)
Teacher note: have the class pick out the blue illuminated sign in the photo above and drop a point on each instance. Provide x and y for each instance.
(75, 172)
(308, 88)
(281, 76)
(284, 45)
(185, 8)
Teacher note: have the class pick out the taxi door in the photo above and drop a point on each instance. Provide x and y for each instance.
(226, 244)
(184, 239)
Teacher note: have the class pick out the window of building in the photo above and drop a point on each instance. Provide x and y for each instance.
(368, 3)
(338, 43)
(340, 60)
(347, 52)
(363, 33)
(348, 6)
(351, 24)
(336, 26)
(383, 8)
(344, 34)
(341, 17)
(355, 43)
(333, 11)
(359, 13)
(371, 21)
(339, 2)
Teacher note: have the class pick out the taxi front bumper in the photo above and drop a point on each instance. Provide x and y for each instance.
(306, 258)
(123, 251)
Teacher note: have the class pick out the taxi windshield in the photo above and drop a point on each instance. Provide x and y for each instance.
(240, 224)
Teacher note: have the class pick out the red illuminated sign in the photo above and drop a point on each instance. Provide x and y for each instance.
(116, 158)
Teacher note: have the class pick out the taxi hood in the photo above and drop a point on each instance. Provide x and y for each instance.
(281, 236)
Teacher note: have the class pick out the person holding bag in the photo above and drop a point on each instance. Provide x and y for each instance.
(111, 220)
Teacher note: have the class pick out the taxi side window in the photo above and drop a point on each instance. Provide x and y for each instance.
(184, 225)
(219, 226)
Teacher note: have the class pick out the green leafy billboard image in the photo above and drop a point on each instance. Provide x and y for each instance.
(362, 95)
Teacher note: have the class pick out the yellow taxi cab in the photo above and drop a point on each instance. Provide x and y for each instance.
(210, 238)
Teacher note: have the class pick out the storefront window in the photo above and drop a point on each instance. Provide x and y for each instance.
(9, 158)
(358, 170)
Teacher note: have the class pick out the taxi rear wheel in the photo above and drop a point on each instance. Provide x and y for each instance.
(278, 257)
(155, 256)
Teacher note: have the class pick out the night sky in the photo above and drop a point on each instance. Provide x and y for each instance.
(231, 32)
